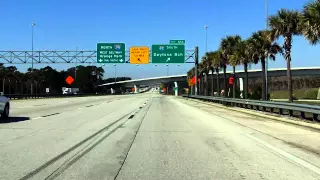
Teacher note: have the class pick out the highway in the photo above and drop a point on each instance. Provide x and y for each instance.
(150, 136)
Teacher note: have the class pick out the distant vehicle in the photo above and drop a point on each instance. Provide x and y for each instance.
(4, 106)
(70, 90)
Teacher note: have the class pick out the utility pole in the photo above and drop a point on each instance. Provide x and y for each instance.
(206, 27)
(115, 73)
(32, 26)
(75, 68)
(267, 59)
(167, 69)
(196, 55)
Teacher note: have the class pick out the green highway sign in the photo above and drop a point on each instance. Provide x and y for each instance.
(111, 53)
(177, 41)
(168, 53)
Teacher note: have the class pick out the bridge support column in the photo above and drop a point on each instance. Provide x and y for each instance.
(136, 88)
(176, 90)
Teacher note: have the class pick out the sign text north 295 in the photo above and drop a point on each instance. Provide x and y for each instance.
(168, 53)
(111, 53)
(177, 41)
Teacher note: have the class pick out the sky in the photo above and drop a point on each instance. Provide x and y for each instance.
(81, 24)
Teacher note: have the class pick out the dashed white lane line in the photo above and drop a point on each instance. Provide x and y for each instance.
(79, 108)
(286, 155)
(37, 118)
(20, 107)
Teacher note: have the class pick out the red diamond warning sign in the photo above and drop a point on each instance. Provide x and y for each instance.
(69, 80)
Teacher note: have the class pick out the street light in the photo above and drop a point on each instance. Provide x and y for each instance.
(115, 73)
(32, 27)
(3, 85)
(167, 69)
(75, 68)
(206, 27)
(267, 61)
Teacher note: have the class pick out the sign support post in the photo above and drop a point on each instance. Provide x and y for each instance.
(196, 69)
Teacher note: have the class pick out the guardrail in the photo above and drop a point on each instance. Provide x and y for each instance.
(39, 96)
(310, 112)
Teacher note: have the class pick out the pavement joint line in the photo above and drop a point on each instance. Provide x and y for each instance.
(286, 154)
(134, 138)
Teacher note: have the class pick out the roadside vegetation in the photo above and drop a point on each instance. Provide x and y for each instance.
(262, 45)
(87, 78)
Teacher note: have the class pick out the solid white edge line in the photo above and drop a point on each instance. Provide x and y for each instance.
(287, 155)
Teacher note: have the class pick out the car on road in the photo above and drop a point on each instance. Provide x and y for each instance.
(4, 106)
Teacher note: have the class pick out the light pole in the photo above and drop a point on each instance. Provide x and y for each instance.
(3, 85)
(75, 68)
(267, 62)
(9, 86)
(115, 73)
(206, 27)
(32, 26)
(167, 69)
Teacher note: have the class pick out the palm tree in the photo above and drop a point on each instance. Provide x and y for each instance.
(215, 58)
(190, 75)
(227, 47)
(209, 67)
(249, 55)
(287, 24)
(263, 47)
(200, 75)
(311, 22)
(243, 54)
(234, 60)
(207, 61)
(204, 74)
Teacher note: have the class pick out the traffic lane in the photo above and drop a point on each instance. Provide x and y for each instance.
(15, 130)
(35, 103)
(105, 160)
(298, 140)
(178, 141)
(53, 135)
(46, 107)
(40, 103)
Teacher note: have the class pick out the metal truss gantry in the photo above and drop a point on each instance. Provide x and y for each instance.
(58, 57)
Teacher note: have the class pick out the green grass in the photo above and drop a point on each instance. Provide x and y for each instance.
(298, 94)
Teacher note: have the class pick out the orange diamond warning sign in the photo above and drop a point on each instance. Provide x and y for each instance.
(69, 80)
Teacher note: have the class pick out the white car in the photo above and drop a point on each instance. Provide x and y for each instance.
(4, 106)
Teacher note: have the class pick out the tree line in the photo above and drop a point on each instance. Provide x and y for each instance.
(262, 45)
(86, 78)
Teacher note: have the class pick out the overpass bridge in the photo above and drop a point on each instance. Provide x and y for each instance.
(182, 79)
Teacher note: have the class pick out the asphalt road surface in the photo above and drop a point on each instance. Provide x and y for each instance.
(150, 136)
